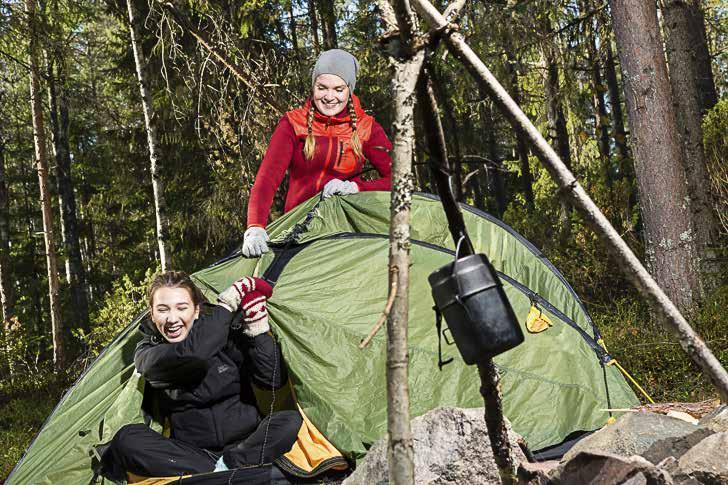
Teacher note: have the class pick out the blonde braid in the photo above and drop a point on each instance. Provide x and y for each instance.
(355, 141)
(310, 146)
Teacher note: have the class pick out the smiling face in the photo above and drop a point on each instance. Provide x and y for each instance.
(173, 312)
(330, 94)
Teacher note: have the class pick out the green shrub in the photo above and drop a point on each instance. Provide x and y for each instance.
(120, 306)
(715, 137)
(654, 357)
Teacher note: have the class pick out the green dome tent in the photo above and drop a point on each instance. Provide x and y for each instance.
(331, 285)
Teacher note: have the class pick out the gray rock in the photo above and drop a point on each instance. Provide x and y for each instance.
(451, 447)
(675, 447)
(632, 434)
(716, 420)
(707, 461)
(597, 468)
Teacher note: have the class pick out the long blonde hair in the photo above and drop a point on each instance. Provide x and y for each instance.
(310, 145)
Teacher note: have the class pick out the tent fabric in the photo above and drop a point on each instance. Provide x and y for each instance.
(331, 287)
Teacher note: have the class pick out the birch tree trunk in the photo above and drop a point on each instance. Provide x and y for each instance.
(75, 274)
(160, 206)
(59, 346)
(668, 231)
(692, 83)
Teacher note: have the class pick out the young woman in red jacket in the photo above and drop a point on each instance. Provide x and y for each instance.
(323, 145)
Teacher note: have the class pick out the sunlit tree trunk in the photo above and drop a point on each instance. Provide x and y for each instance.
(59, 345)
(668, 231)
(692, 82)
(160, 205)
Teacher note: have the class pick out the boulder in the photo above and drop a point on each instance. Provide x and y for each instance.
(632, 434)
(716, 420)
(451, 446)
(707, 461)
(597, 468)
(676, 446)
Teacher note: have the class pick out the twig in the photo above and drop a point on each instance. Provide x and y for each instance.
(385, 313)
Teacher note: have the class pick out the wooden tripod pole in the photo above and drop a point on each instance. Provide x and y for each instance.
(489, 378)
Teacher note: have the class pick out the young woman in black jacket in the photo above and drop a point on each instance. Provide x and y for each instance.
(202, 360)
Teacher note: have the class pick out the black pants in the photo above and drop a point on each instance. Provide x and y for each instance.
(138, 449)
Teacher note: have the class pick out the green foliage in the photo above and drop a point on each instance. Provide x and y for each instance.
(120, 306)
(715, 136)
(654, 357)
(20, 419)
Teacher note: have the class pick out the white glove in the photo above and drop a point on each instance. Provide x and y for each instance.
(254, 242)
(341, 187)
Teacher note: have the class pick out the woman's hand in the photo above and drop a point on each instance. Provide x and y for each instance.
(250, 295)
(341, 187)
(254, 242)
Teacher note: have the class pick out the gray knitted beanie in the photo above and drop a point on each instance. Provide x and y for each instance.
(338, 62)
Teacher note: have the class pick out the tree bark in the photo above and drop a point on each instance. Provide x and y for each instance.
(521, 144)
(569, 187)
(314, 26)
(694, 93)
(59, 345)
(668, 231)
(615, 100)
(328, 23)
(7, 296)
(406, 65)
(496, 178)
(75, 274)
(160, 205)
(556, 120)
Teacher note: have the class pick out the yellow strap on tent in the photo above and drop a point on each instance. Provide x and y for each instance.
(536, 321)
(626, 374)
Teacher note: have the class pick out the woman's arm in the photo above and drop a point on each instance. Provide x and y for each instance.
(376, 150)
(271, 172)
(167, 364)
(264, 361)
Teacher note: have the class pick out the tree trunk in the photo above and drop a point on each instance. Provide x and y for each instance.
(556, 121)
(406, 66)
(496, 171)
(160, 205)
(75, 274)
(521, 145)
(624, 164)
(314, 27)
(601, 117)
(59, 347)
(7, 297)
(692, 82)
(669, 234)
(328, 23)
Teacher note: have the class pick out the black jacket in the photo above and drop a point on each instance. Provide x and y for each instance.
(205, 380)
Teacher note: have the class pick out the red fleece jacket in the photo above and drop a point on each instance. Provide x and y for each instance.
(308, 177)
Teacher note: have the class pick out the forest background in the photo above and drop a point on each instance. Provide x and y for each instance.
(558, 59)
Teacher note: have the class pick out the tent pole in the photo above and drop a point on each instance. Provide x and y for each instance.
(570, 188)
(441, 170)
